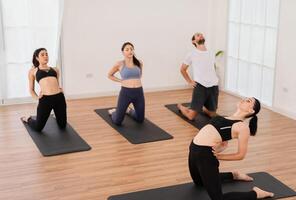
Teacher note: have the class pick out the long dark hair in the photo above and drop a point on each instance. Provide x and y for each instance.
(135, 60)
(35, 55)
(254, 118)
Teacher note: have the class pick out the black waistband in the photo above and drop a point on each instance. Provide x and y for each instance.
(53, 95)
(200, 85)
(195, 147)
(126, 88)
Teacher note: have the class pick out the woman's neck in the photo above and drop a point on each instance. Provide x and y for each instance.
(239, 115)
(43, 66)
(129, 61)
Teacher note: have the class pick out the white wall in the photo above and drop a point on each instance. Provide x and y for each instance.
(219, 35)
(285, 81)
(94, 30)
(2, 61)
(285, 87)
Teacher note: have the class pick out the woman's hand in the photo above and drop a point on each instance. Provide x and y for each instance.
(40, 95)
(216, 154)
(220, 147)
(217, 149)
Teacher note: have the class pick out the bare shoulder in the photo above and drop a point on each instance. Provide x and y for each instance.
(118, 64)
(33, 70)
(242, 128)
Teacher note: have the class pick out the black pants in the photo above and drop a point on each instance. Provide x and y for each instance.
(204, 170)
(127, 96)
(204, 96)
(56, 102)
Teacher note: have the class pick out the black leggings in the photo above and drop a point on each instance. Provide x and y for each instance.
(56, 102)
(127, 96)
(204, 170)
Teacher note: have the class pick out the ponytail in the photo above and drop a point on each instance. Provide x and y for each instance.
(254, 118)
(137, 62)
(253, 125)
(35, 55)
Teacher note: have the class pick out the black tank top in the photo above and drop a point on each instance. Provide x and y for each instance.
(40, 74)
(223, 126)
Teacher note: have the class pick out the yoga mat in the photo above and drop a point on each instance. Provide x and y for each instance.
(134, 132)
(189, 191)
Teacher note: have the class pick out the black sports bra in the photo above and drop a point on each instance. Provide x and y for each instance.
(40, 74)
(223, 126)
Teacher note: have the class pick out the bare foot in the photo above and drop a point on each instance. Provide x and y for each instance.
(241, 177)
(128, 110)
(111, 111)
(179, 107)
(24, 119)
(261, 194)
(209, 113)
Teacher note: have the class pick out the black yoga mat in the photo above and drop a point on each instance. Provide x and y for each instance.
(54, 141)
(200, 121)
(189, 191)
(134, 132)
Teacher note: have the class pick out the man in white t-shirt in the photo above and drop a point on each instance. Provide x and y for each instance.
(204, 82)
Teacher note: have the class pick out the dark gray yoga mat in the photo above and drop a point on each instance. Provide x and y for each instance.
(189, 191)
(200, 121)
(134, 132)
(54, 141)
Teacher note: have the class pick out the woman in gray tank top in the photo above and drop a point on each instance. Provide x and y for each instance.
(130, 70)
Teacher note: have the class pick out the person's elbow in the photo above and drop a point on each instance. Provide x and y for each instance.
(240, 156)
(110, 76)
(31, 91)
(183, 68)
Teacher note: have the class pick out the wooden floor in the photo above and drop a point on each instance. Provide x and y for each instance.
(115, 166)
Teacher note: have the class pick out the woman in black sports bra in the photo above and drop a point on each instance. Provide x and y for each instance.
(211, 140)
(51, 95)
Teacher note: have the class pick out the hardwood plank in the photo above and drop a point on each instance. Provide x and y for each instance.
(115, 166)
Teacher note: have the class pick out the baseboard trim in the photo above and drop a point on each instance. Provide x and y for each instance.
(26, 100)
(115, 93)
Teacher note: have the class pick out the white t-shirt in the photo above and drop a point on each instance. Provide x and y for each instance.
(202, 63)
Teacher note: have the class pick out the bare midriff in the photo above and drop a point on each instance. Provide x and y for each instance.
(207, 136)
(49, 86)
(131, 83)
